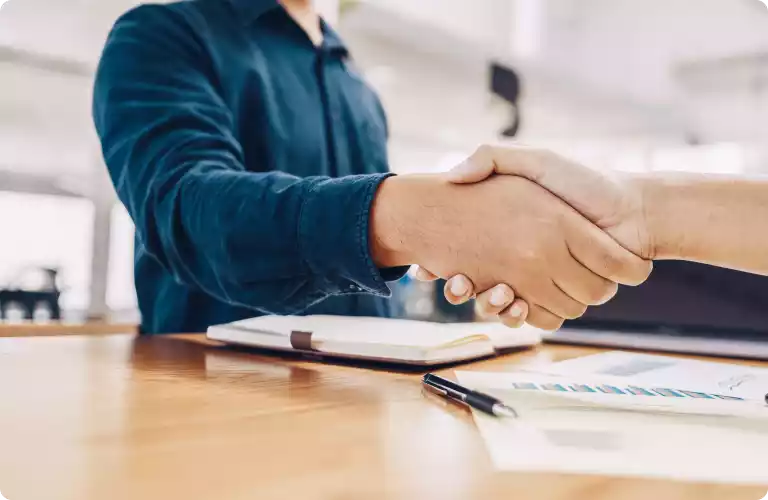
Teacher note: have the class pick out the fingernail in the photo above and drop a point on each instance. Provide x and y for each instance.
(459, 286)
(515, 311)
(499, 297)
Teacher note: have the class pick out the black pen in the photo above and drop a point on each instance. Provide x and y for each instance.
(452, 390)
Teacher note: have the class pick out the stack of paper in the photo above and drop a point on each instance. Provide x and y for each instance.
(631, 415)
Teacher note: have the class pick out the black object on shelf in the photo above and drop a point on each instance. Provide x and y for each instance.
(29, 300)
(505, 83)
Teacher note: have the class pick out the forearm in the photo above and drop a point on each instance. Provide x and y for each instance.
(269, 241)
(718, 220)
(203, 210)
(411, 218)
(393, 222)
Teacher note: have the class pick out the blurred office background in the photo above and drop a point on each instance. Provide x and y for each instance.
(627, 84)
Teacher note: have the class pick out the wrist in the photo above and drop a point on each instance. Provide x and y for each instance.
(407, 219)
(387, 235)
(659, 208)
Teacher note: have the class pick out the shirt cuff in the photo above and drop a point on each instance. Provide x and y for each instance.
(333, 234)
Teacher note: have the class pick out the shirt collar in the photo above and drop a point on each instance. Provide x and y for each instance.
(331, 40)
(250, 10)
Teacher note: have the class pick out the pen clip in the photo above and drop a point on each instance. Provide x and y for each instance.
(435, 389)
(445, 391)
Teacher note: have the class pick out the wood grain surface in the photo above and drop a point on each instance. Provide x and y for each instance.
(176, 417)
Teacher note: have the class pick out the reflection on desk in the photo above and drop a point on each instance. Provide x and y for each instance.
(124, 417)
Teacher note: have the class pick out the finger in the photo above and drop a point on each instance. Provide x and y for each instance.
(543, 319)
(602, 255)
(458, 289)
(583, 285)
(422, 274)
(515, 315)
(589, 191)
(492, 302)
(558, 302)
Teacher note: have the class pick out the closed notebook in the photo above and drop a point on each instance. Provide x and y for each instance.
(381, 339)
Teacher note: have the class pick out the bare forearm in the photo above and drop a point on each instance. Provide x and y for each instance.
(413, 217)
(718, 220)
(392, 237)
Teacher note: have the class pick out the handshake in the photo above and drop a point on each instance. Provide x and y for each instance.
(531, 235)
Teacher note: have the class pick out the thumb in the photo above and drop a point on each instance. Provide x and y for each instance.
(476, 168)
(590, 192)
(488, 160)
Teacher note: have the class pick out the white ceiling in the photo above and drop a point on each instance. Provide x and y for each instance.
(600, 69)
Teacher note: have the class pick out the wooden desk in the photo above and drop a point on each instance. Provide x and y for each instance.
(119, 417)
(57, 329)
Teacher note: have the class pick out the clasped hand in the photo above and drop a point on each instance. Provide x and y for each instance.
(571, 235)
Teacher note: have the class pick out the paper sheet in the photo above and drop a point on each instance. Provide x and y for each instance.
(591, 433)
(730, 379)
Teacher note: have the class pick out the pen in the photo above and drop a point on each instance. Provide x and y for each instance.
(452, 390)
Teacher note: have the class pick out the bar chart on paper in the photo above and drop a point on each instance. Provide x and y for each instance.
(608, 426)
(629, 390)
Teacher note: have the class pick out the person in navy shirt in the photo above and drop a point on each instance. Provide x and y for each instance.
(251, 155)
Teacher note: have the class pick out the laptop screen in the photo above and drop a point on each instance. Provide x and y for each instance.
(687, 298)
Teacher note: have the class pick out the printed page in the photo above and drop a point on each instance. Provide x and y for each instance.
(616, 393)
(555, 432)
(726, 378)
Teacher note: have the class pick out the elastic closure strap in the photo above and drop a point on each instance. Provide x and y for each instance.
(301, 341)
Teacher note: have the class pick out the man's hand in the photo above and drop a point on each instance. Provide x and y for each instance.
(614, 204)
(505, 230)
(500, 301)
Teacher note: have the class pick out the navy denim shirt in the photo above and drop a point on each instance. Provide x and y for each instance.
(247, 158)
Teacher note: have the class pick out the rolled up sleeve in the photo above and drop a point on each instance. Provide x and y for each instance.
(269, 241)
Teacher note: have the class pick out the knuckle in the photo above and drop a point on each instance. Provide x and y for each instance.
(575, 310)
(544, 320)
(611, 290)
(626, 267)
(555, 324)
(601, 294)
(640, 272)
(613, 263)
(550, 324)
